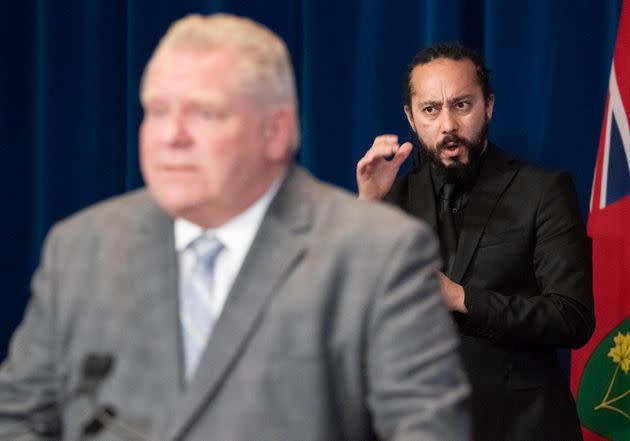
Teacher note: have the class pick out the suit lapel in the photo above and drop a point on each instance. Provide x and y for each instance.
(277, 248)
(421, 202)
(495, 175)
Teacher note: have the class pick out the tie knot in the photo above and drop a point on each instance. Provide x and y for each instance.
(206, 248)
(448, 192)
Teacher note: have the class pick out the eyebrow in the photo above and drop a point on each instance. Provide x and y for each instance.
(451, 101)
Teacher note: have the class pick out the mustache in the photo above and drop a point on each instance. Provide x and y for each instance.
(453, 139)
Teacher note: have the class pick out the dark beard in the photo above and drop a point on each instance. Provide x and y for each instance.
(457, 173)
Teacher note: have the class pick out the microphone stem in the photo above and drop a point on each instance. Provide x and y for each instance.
(121, 429)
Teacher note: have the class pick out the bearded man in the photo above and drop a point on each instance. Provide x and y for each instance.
(516, 259)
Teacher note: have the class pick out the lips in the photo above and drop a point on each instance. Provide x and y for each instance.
(177, 168)
(177, 172)
(452, 150)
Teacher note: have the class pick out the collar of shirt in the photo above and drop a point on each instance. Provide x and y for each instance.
(237, 234)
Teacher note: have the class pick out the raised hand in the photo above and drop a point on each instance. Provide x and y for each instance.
(375, 172)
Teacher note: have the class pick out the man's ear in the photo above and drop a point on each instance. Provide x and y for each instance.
(410, 118)
(490, 107)
(281, 133)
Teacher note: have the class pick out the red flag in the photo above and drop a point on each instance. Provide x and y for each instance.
(600, 371)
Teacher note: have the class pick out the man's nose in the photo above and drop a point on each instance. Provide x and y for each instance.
(176, 132)
(449, 123)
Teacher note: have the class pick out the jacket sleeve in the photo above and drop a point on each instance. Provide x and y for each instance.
(560, 311)
(29, 377)
(417, 389)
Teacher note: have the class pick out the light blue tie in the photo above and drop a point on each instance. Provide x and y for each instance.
(197, 309)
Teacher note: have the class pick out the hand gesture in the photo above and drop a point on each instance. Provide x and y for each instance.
(375, 172)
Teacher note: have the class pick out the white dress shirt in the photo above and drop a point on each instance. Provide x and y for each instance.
(236, 235)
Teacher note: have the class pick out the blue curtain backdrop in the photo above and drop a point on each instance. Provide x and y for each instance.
(69, 109)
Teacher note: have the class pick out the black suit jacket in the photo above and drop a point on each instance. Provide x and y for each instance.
(524, 261)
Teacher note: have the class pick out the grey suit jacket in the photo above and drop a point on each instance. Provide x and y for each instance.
(334, 328)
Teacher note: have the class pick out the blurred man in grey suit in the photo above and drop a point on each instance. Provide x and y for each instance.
(239, 298)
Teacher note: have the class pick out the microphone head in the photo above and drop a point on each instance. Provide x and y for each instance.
(99, 421)
(97, 365)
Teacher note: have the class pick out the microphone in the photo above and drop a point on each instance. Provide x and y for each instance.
(46, 421)
(98, 421)
(105, 418)
(96, 367)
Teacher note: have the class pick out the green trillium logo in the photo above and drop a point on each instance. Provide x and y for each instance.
(604, 393)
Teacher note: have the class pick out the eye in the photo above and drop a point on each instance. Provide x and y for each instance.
(155, 110)
(462, 105)
(210, 113)
(207, 113)
(429, 110)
